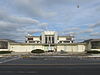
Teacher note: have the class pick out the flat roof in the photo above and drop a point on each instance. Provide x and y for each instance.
(8, 40)
(92, 40)
(46, 44)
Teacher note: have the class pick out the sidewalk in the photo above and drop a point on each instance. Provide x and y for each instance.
(81, 55)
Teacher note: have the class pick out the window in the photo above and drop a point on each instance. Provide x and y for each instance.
(31, 41)
(40, 37)
(45, 39)
(3, 45)
(60, 41)
(30, 38)
(38, 41)
(66, 41)
(68, 38)
(52, 39)
(95, 44)
(49, 39)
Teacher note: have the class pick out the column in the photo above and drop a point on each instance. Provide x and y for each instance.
(51, 39)
(55, 37)
(70, 41)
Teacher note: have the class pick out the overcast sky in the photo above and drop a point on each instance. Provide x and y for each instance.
(20, 17)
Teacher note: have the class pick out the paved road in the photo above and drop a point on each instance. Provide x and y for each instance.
(51, 60)
(49, 69)
(49, 66)
(8, 59)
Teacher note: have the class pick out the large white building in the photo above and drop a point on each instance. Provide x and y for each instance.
(48, 40)
(49, 37)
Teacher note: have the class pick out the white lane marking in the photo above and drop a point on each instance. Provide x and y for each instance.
(9, 60)
(28, 72)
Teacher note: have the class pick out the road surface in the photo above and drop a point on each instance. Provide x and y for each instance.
(50, 69)
(49, 66)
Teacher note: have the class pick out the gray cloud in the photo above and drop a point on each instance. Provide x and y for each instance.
(72, 29)
(31, 31)
(94, 25)
(43, 26)
(95, 34)
(86, 31)
(10, 26)
(16, 19)
(22, 16)
(83, 38)
(32, 8)
(72, 33)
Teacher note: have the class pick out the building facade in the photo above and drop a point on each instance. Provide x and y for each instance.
(93, 44)
(49, 37)
(48, 40)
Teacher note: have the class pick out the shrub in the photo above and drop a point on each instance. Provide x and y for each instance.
(50, 50)
(93, 52)
(5, 52)
(62, 51)
(37, 51)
